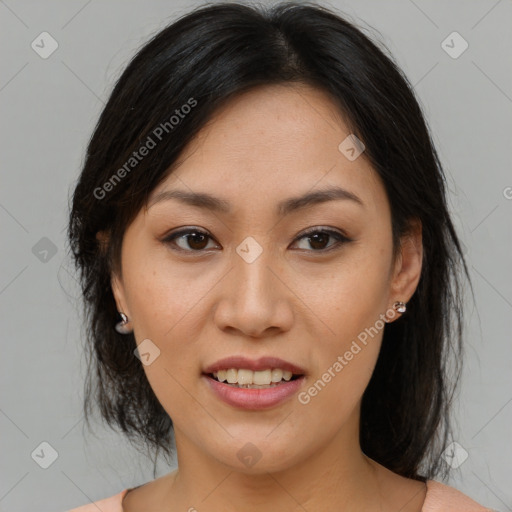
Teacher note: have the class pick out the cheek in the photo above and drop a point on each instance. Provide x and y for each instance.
(343, 372)
(331, 403)
(350, 302)
(164, 305)
(164, 296)
(349, 296)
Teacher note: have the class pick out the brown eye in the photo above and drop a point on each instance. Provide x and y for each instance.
(193, 240)
(196, 240)
(319, 239)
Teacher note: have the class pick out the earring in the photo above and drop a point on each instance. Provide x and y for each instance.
(399, 307)
(121, 327)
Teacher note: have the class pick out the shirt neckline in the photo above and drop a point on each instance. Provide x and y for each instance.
(427, 487)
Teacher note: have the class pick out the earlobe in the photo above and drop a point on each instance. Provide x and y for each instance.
(123, 326)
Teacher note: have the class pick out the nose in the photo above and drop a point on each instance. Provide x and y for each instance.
(254, 299)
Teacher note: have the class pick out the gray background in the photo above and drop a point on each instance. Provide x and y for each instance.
(49, 107)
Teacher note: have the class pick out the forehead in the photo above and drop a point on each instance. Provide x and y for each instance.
(273, 142)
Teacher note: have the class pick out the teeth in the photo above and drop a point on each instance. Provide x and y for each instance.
(245, 377)
(261, 378)
(277, 375)
(250, 379)
(231, 376)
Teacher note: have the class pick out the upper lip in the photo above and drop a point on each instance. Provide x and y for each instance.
(263, 363)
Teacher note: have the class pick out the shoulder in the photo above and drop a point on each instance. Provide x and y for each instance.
(443, 498)
(112, 504)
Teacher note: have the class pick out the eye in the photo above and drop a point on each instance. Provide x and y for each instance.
(195, 239)
(318, 239)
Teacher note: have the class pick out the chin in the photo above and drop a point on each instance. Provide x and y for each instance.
(252, 457)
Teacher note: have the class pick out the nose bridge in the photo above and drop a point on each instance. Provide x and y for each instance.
(254, 280)
(253, 301)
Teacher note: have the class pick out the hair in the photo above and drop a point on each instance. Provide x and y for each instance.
(203, 60)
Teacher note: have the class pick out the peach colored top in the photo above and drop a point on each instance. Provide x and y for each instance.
(439, 498)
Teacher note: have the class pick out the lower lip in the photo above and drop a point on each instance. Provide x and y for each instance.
(254, 399)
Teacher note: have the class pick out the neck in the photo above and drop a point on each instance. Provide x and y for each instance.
(336, 476)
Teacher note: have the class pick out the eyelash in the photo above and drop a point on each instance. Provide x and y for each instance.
(339, 237)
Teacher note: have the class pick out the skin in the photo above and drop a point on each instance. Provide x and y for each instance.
(293, 302)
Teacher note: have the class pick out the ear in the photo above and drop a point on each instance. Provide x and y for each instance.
(116, 281)
(407, 271)
(119, 295)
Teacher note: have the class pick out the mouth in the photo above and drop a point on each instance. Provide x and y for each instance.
(249, 384)
(248, 379)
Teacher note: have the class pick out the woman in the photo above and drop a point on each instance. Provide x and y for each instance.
(262, 214)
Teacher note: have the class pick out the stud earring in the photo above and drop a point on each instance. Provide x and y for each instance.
(399, 307)
(121, 327)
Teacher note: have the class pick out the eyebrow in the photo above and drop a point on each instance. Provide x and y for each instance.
(207, 201)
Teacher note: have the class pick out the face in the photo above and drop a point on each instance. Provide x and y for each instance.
(272, 283)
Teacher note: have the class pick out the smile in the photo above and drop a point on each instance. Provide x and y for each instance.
(253, 384)
(253, 379)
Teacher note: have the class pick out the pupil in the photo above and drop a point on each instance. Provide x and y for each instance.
(314, 240)
(193, 238)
